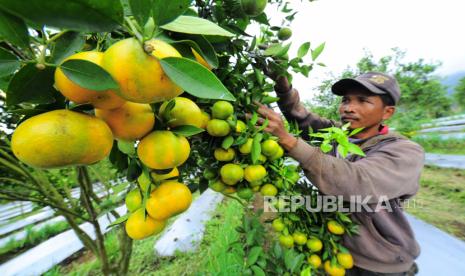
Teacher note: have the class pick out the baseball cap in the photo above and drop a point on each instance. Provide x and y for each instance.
(375, 82)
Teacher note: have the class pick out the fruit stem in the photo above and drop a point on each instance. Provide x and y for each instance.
(134, 30)
(237, 199)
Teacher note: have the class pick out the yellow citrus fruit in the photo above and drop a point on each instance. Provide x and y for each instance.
(334, 270)
(278, 225)
(184, 112)
(231, 173)
(217, 186)
(314, 244)
(268, 190)
(240, 126)
(205, 119)
(254, 173)
(133, 200)
(262, 159)
(286, 241)
(200, 59)
(253, 8)
(169, 199)
(163, 149)
(160, 177)
(218, 128)
(61, 138)
(245, 193)
(270, 147)
(140, 76)
(345, 260)
(222, 110)
(129, 122)
(335, 227)
(278, 154)
(229, 190)
(100, 99)
(139, 226)
(224, 155)
(314, 260)
(246, 148)
(299, 238)
(284, 33)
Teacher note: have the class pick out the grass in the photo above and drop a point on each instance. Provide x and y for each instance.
(434, 144)
(441, 200)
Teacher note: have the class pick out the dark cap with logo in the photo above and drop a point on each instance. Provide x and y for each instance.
(375, 82)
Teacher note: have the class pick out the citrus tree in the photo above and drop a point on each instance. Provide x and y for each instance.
(167, 91)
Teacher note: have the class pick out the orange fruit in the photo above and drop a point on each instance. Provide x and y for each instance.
(253, 8)
(169, 199)
(133, 200)
(231, 173)
(277, 155)
(314, 260)
(139, 226)
(140, 76)
(335, 227)
(246, 148)
(253, 173)
(218, 128)
(245, 193)
(224, 155)
(205, 118)
(184, 112)
(334, 270)
(222, 110)
(299, 238)
(129, 122)
(270, 147)
(200, 59)
(278, 225)
(345, 260)
(61, 138)
(240, 126)
(217, 186)
(162, 150)
(144, 182)
(229, 190)
(284, 33)
(100, 99)
(286, 241)
(314, 244)
(268, 190)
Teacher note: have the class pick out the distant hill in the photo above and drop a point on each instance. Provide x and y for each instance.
(451, 81)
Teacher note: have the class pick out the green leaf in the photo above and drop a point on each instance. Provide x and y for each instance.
(31, 85)
(355, 131)
(325, 147)
(9, 63)
(317, 51)
(353, 148)
(306, 272)
(141, 10)
(195, 25)
(166, 11)
(88, 75)
(303, 50)
(253, 255)
(79, 15)
(13, 30)
(187, 130)
(66, 45)
(195, 79)
(277, 50)
(201, 45)
(269, 99)
(134, 170)
(288, 258)
(297, 262)
(256, 148)
(127, 147)
(342, 151)
(227, 142)
(119, 220)
(257, 271)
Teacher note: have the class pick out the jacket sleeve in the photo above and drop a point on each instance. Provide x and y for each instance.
(294, 110)
(392, 171)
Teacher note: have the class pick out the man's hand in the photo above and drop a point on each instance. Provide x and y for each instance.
(276, 126)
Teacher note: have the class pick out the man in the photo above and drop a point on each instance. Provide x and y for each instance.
(390, 170)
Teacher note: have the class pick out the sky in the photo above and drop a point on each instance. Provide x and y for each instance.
(432, 30)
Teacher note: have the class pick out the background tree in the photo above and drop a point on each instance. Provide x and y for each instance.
(459, 93)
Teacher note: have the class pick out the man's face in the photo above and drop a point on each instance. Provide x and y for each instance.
(363, 109)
